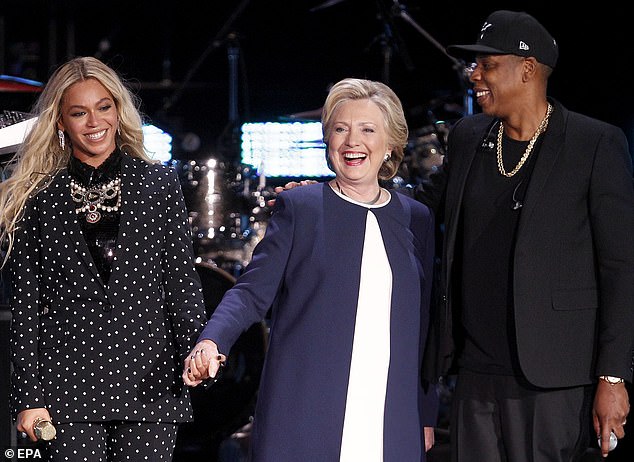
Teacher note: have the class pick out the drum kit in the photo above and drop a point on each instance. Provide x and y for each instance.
(227, 210)
(423, 154)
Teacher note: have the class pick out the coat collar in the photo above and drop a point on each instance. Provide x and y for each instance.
(549, 151)
(133, 181)
(58, 194)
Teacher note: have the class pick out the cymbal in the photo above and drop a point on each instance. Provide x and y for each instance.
(327, 4)
(313, 114)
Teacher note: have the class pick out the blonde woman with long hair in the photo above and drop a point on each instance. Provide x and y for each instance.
(105, 297)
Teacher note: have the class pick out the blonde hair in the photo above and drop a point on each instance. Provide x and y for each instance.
(40, 157)
(351, 89)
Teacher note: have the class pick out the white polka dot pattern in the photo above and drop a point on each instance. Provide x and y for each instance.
(91, 352)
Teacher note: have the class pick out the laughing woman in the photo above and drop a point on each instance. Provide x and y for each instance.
(346, 268)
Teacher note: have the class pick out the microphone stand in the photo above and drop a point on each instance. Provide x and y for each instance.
(229, 141)
(458, 65)
(215, 43)
(390, 40)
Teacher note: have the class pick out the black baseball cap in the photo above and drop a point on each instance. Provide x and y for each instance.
(511, 33)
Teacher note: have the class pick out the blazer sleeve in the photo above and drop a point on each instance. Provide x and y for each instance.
(611, 204)
(255, 291)
(430, 399)
(183, 290)
(26, 390)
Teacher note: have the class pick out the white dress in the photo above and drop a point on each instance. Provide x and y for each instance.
(362, 438)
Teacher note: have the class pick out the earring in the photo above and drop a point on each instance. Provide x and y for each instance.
(119, 130)
(387, 157)
(62, 139)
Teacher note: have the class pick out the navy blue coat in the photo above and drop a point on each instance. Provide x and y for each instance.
(307, 269)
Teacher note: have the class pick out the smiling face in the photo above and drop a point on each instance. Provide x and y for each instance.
(89, 118)
(358, 143)
(497, 83)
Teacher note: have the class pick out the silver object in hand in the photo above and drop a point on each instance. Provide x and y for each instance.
(44, 429)
(613, 441)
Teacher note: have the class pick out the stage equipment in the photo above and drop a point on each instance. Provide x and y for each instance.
(14, 126)
(424, 153)
(219, 200)
(285, 149)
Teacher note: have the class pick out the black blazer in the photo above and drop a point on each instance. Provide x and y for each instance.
(94, 352)
(573, 268)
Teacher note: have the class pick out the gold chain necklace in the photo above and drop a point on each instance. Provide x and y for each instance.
(542, 126)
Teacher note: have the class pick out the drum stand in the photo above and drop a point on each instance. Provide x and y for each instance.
(458, 65)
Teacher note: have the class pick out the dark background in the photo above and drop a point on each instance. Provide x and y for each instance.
(287, 54)
(202, 68)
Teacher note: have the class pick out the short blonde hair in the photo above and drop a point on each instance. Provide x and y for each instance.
(351, 89)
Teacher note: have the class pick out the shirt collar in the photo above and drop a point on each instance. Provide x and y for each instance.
(88, 175)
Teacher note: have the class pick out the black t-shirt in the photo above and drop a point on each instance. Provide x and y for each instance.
(490, 214)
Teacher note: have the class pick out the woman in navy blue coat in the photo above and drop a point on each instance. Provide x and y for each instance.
(346, 268)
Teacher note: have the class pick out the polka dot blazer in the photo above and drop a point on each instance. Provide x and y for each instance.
(94, 352)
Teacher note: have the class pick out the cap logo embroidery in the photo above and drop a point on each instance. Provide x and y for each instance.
(523, 46)
(485, 26)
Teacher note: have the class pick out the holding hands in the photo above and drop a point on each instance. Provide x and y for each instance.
(203, 362)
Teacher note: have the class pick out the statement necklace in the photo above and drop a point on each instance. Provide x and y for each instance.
(540, 129)
(93, 199)
(372, 202)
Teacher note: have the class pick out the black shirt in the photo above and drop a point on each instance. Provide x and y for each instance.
(489, 221)
(101, 235)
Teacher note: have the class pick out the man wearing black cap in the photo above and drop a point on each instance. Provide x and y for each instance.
(536, 293)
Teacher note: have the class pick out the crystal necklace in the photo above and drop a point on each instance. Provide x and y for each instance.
(95, 198)
(540, 129)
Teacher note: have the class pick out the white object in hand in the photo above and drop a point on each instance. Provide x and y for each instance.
(613, 441)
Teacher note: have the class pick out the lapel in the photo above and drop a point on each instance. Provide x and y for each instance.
(133, 184)
(64, 212)
(466, 150)
(551, 147)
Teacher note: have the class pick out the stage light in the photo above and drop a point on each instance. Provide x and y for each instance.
(157, 142)
(285, 149)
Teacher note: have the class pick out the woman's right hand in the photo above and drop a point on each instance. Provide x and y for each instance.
(202, 363)
(26, 420)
